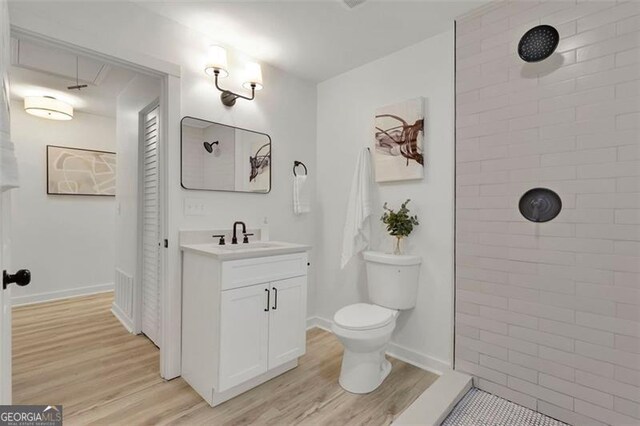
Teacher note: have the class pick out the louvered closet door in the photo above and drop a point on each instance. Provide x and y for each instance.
(151, 230)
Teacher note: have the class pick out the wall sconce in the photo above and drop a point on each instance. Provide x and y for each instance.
(218, 68)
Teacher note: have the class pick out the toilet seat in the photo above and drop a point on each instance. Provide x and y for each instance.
(364, 316)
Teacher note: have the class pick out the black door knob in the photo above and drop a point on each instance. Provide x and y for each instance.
(22, 278)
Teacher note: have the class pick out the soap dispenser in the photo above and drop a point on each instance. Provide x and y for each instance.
(264, 229)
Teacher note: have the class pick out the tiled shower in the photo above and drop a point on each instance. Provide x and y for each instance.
(547, 314)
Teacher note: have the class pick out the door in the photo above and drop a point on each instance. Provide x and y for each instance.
(21, 277)
(287, 321)
(5, 220)
(5, 305)
(150, 223)
(244, 334)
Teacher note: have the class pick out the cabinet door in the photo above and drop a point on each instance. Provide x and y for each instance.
(244, 335)
(288, 320)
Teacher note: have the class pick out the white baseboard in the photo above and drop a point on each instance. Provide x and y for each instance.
(60, 294)
(417, 359)
(122, 317)
(317, 322)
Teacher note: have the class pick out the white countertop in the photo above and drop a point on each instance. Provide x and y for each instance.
(245, 251)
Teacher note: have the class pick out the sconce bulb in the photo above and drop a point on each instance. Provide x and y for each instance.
(217, 61)
(253, 76)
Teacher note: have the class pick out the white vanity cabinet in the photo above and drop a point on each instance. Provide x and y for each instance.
(244, 321)
(287, 320)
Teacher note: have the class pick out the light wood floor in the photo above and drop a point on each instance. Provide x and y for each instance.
(75, 353)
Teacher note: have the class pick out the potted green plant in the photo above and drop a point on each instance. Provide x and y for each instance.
(399, 223)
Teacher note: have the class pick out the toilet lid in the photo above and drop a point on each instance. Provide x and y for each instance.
(363, 316)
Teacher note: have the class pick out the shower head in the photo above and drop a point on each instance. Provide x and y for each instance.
(538, 43)
(540, 205)
(209, 146)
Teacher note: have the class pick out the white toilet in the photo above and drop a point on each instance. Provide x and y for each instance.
(365, 328)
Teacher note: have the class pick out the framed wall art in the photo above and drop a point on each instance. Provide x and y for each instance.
(399, 138)
(76, 171)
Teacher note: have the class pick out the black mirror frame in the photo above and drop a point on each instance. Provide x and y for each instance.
(233, 127)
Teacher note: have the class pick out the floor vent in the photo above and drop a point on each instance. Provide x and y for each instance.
(123, 297)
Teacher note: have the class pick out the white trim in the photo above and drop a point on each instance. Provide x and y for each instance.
(78, 42)
(170, 109)
(317, 322)
(171, 258)
(417, 359)
(122, 317)
(31, 299)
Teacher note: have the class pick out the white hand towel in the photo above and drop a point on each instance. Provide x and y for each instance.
(301, 195)
(357, 228)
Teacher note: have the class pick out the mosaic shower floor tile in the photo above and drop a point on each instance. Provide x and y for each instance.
(479, 408)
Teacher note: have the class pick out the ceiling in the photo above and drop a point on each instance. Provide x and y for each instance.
(38, 70)
(315, 40)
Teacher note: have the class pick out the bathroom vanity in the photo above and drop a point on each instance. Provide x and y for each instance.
(243, 316)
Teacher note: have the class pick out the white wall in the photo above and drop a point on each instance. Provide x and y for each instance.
(346, 107)
(285, 109)
(67, 241)
(138, 94)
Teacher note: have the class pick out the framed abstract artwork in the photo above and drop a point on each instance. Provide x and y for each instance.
(399, 137)
(75, 171)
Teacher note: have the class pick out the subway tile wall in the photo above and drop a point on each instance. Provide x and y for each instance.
(548, 315)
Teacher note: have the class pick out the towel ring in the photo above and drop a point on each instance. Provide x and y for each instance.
(299, 163)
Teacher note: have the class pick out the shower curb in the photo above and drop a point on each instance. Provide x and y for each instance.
(435, 403)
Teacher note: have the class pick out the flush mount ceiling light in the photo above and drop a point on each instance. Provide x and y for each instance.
(218, 68)
(48, 107)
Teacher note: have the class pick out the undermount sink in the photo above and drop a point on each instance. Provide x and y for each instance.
(249, 246)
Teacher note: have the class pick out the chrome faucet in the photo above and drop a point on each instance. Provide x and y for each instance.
(234, 240)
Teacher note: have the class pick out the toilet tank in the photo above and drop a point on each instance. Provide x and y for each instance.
(392, 279)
